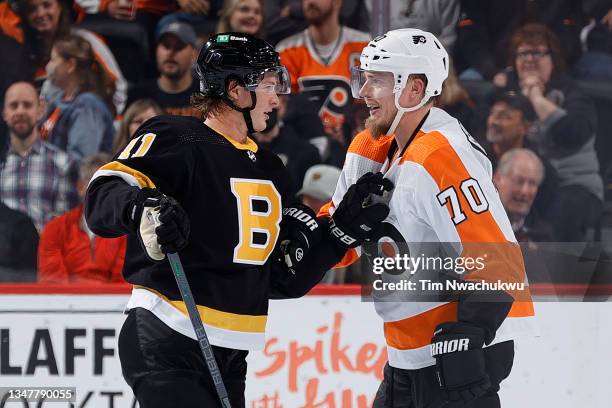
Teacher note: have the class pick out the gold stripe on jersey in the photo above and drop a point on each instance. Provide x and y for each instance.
(121, 169)
(217, 318)
(248, 145)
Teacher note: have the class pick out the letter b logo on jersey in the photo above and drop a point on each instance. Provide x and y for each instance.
(259, 216)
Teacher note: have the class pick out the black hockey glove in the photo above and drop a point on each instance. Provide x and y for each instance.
(300, 231)
(460, 363)
(160, 222)
(359, 212)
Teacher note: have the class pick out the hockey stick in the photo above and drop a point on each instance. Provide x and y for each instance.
(196, 321)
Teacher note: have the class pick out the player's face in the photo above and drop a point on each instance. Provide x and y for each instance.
(505, 124)
(22, 109)
(377, 90)
(247, 17)
(174, 57)
(267, 100)
(44, 15)
(518, 188)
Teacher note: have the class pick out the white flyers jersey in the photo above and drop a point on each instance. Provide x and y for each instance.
(444, 194)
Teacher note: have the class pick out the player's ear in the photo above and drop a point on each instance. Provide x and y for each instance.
(416, 86)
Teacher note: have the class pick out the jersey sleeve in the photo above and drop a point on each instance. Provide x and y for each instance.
(155, 158)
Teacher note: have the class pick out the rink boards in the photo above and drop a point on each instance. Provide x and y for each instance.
(321, 351)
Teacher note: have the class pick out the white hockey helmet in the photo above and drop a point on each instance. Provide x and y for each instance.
(404, 52)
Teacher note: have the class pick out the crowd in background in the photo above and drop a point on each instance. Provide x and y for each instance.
(78, 77)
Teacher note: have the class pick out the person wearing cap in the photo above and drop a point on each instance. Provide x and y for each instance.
(175, 53)
(319, 186)
(510, 119)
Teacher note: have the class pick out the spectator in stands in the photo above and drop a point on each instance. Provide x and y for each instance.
(439, 17)
(243, 16)
(517, 178)
(485, 28)
(70, 252)
(319, 60)
(18, 245)
(43, 22)
(319, 186)
(601, 10)
(14, 68)
(36, 178)
(202, 15)
(135, 115)
(510, 118)
(564, 131)
(297, 154)
(175, 53)
(302, 116)
(286, 17)
(80, 121)
(596, 62)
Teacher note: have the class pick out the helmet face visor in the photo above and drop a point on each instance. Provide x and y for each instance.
(271, 80)
(371, 84)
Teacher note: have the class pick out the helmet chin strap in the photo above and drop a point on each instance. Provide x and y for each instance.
(401, 110)
(246, 112)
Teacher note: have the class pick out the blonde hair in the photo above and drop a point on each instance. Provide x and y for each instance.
(122, 137)
(229, 7)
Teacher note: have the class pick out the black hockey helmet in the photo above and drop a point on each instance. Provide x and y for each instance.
(242, 57)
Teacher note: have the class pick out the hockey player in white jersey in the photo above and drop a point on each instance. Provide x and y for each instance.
(454, 351)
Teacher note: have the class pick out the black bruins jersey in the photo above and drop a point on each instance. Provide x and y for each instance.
(233, 194)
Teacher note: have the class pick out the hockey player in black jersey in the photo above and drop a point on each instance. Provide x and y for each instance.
(224, 207)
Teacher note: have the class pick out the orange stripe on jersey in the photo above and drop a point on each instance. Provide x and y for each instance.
(479, 233)
(365, 145)
(521, 309)
(417, 331)
(324, 211)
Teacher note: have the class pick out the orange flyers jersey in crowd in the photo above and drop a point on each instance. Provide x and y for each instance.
(326, 80)
(10, 22)
(444, 195)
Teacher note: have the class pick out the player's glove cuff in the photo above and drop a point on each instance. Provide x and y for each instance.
(300, 231)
